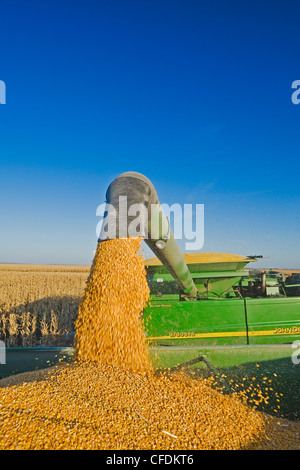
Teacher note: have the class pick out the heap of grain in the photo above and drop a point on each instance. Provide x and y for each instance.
(87, 405)
(108, 398)
(109, 327)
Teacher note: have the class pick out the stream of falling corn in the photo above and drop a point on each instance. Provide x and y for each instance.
(109, 327)
(109, 396)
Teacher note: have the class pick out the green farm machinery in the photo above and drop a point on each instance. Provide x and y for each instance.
(199, 299)
(210, 312)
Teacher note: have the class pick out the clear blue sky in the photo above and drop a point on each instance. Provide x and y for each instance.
(194, 94)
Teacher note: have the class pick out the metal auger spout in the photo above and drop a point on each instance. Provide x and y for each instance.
(130, 194)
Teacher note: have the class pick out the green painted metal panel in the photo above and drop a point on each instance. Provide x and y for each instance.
(273, 320)
(223, 321)
(196, 322)
(215, 287)
(204, 275)
(204, 267)
(209, 284)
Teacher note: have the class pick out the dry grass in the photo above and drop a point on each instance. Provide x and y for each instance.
(71, 268)
(39, 303)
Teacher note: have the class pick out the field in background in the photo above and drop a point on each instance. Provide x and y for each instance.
(39, 303)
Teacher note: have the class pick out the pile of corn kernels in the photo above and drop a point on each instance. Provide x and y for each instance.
(86, 405)
(109, 396)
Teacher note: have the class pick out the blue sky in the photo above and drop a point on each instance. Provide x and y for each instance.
(196, 95)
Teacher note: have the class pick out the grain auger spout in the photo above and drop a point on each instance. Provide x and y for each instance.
(133, 209)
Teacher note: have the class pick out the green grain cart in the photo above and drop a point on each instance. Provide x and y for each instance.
(200, 298)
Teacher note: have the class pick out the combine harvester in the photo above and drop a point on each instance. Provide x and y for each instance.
(209, 314)
(201, 299)
(205, 309)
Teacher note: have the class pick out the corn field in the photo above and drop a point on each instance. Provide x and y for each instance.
(39, 303)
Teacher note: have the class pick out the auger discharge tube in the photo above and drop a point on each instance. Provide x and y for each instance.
(132, 193)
